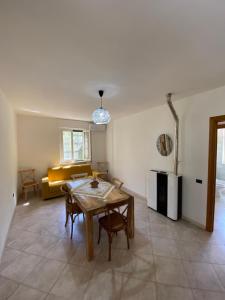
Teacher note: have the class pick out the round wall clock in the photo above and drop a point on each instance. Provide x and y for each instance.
(164, 144)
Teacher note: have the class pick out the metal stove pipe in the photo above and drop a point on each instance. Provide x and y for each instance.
(176, 144)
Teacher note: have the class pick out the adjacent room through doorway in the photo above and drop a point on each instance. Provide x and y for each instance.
(219, 220)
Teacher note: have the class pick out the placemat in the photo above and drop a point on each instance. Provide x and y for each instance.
(102, 191)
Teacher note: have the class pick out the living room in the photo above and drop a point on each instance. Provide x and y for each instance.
(111, 105)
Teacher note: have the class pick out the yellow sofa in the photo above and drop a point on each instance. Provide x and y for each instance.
(60, 175)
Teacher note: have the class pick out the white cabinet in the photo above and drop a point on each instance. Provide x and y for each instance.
(151, 190)
(164, 193)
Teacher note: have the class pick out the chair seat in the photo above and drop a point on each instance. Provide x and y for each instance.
(73, 208)
(117, 222)
(30, 183)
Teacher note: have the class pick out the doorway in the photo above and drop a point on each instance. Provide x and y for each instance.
(219, 218)
(216, 174)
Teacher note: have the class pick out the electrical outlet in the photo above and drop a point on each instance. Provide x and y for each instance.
(198, 180)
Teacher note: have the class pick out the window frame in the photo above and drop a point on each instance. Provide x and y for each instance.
(72, 161)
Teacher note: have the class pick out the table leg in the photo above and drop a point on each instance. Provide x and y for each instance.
(89, 236)
(130, 216)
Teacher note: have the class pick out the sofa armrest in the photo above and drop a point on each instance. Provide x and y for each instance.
(102, 175)
(45, 187)
(95, 173)
(44, 179)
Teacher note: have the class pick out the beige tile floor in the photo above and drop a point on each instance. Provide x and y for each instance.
(167, 260)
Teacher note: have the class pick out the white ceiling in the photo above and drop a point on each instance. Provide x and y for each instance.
(56, 54)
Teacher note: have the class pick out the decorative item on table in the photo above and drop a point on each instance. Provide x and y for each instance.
(94, 184)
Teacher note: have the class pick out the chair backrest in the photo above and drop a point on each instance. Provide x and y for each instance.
(65, 190)
(68, 197)
(111, 208)
(27, 175)
(118, 183)
(102, 166)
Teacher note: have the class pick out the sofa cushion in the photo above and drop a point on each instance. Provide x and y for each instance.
(79, 175)
(64, 173)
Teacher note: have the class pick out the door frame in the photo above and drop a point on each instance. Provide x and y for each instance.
(214, 124)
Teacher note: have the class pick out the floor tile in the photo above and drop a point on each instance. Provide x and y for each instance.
(26, 293)
(184, 232)
(217, 254)
(41, 245)
(44, 275)
(161, 230)
(194, 251)
(22, 240)
(7, 287)
(21, 266)
(170, 271)
(9, 255)
(54, 297)
(165, 292)
(104, 286)
(136, 289)
(165, 247)
(118, 260)
(220, 271)
(202, 276)
(138, 264)
(63, 250)
(166, 259)
(72, 281)
(80, 258)
(208, 295)
(158, 218)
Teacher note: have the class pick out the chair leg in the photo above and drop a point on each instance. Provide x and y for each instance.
(72, 221)
(67, 217)
(110, 244)
(38, 190)
(99, 233)
(25, 194)
(128, 243)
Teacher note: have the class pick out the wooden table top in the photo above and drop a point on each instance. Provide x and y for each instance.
(90, 203)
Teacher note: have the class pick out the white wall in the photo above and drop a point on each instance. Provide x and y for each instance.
(8, 168)
(39, 142)
(131, 147)
(98, 146)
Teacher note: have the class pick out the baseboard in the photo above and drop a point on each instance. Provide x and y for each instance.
(183, 217)
(6, 236)
(193, 222)
(134, 194)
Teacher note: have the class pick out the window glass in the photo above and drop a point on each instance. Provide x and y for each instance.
(78, 145)
(75, 145)
(67, 145)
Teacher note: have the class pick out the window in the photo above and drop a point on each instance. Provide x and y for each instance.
(75, 145)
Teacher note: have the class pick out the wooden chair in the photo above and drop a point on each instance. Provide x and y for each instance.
(72, 209)
(102, 169)
(118, 183)
(113, 222)
(28, 181)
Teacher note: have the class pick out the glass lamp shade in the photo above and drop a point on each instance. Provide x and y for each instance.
(101, 116)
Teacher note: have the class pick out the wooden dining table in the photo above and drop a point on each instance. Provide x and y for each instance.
(92, 206)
